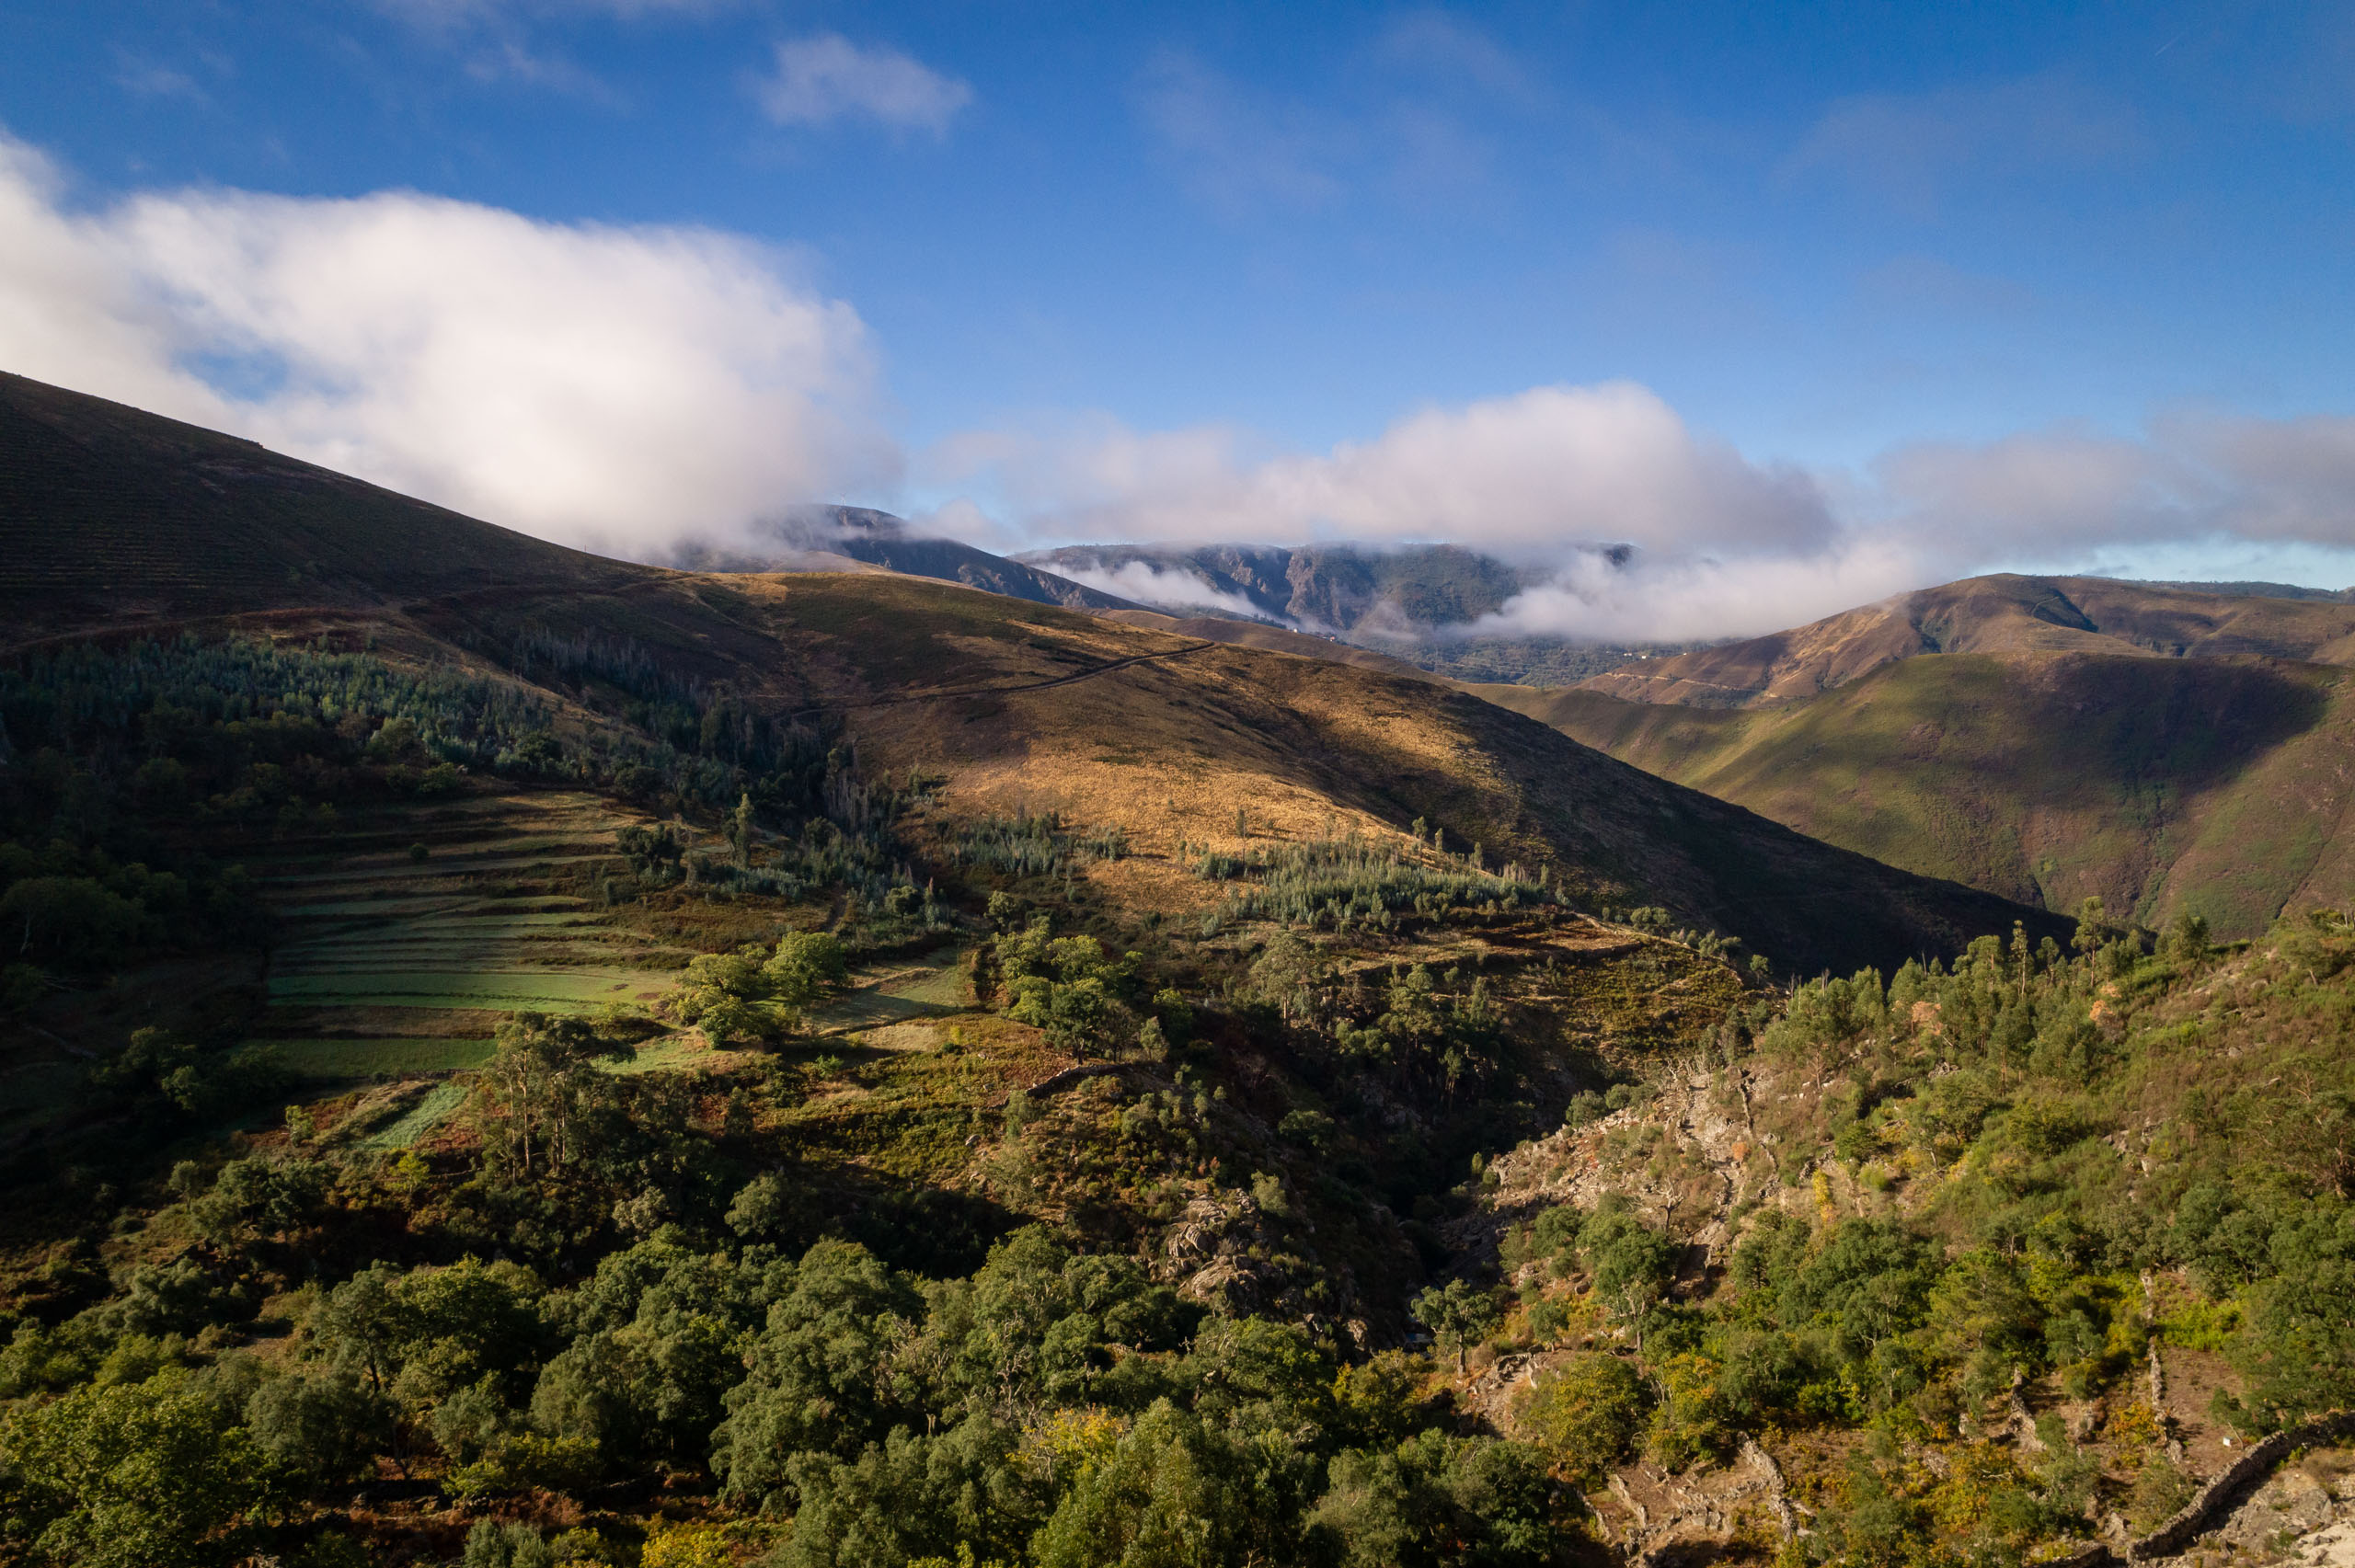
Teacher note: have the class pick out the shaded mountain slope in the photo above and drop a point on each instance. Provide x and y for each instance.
(2217, 786)
(1017, 703)
(111, 516)
(2002, 613)
(879, 539)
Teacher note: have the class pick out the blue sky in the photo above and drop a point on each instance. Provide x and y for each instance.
(1861, 244)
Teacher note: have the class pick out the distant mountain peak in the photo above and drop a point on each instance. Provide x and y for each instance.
(813, 536)
(1373, 592)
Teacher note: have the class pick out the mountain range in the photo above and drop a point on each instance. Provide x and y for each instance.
(1399, 593)
(119, 521)
(2167, 747)
(822, 538)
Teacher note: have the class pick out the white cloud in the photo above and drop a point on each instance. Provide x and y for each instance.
(616, 388)
(500, 40)
(1168, 589)
(146, 79)
(1449, 50)
(2187, 477)
(1533, 473)
(1695, 598)
(2193, 497)
(1725, 545)
(1236, 151)
(827, 77)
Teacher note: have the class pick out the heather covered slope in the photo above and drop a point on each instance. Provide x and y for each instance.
(1996, 614)
(2216, 787)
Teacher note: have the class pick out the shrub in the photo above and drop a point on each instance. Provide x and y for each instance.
(1586, 1415)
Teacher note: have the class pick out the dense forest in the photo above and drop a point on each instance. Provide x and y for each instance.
(1231, 1277)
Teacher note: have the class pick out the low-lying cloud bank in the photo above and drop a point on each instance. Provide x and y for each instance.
(1724, 546)
(619, 389)
(644, 390)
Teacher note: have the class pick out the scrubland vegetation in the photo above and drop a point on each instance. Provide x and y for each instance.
(1984, 1246)
(912, 1200)
(711, 1274)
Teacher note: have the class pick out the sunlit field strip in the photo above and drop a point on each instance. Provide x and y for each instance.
(420, 1119)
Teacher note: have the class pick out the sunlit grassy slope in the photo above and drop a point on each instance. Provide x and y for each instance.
(2004, 613)
(113, 520)
(2213, 785)
(1180, 742)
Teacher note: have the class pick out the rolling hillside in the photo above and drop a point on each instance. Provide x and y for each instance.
(115, 518)
(2169, 751)
(1996, 614)
(1015, 705)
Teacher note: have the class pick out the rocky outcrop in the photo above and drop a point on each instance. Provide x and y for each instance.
(1227, 1252)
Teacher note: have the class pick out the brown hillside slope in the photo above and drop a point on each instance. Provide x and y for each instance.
(2003, 613)
(2218, 786)
(1017, 703)
(1275, 639)
(1026, 706)
(110, 515)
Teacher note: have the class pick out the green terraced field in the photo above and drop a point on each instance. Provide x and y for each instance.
(654, 1056)
(491, 921)
(343, 1062)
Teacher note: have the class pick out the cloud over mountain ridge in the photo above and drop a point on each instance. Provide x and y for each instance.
(638, 390)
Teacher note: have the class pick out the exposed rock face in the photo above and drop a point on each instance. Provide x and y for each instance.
(2303, 1513)
(1225, 1251)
